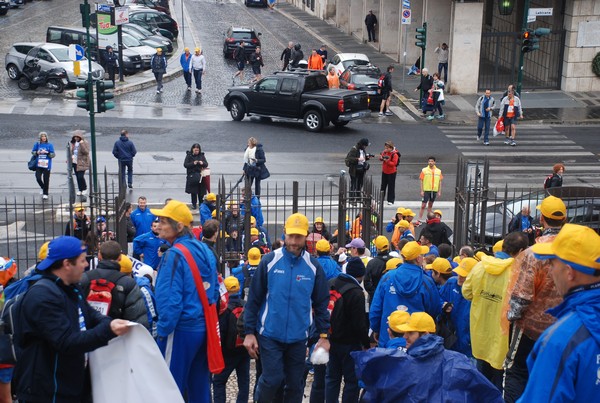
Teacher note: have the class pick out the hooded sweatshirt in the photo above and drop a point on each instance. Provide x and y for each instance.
(486, 287)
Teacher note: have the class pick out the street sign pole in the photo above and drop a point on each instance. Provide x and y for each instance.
(521, 54)
(86, 18)
(404, 63)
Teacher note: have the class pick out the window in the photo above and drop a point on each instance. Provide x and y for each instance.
(267, 85)
(53, 36)
(244, 35)
(289, 85)
(336, 59)
(44, 55)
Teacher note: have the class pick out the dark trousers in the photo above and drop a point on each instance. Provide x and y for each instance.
(112, 71)
(341, 364)
(484, 122)
(317, 390)
(241, 364)
(129, 165)
(356, 183)
(198, 78)
(80, 175)
(187, 76)
(438, 106)
(443, 66)
(42, 176)
(159, 81)
(371, 32)
(516, 373)
(492, 374)
(280, 362)
(388, 181)
(256, 182)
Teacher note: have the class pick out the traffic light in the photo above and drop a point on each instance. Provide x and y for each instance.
(539, 32)
(529, 41)
(103, 95)
(421, 37)
(84, 94)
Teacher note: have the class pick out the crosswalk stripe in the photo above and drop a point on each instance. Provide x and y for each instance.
(571, 168)
(528, 127)
(521, 142)
(545, 138)
(511, 152)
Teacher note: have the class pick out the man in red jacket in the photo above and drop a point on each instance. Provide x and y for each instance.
(390, 158)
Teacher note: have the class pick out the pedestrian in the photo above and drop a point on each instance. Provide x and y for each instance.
(333, 79)
(256, 60)
(531, 293)
(376, 266)
(254, 164)
(271, 5)
(484, 109)
(232, 219)
(386, 93)
(142, 218)
(43, 150)
(556, 179)
(425, 85)
(511, 87)
(431, 185)
(322, 51)
(485, 287)
(330, 267)
(124, 151)
(390, 158)
(182, 327)
(357, 160)
(198, 68)
(278, 315)
(57, 328)
(442, 55)
(440, 231)
(145, 246)
(320, 228)
(286, 55)
(80, 161)
(371, 22)
(194, 163)
(158, 64)
(297, 56)
(407, 286)
(563, 365)
(80, 226)
(208, 206)
(437, 91)
(523, 222)
(111, 61)
(510, 110)
(315, 61)
(185, 60)
(241, 59)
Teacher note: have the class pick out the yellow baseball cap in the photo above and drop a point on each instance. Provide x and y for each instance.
(43, 252)
(440, 265)
(176, 211)
(457, 259)
(393, 263)
(382, 243)
(252, 220)
(232, 284)
(254, 256)
(418, 322)
(498, 246)
(254, 231)
(396, 319)
(186, 49)
(211, 197)
(400, 210)
(413, 250)
(323, 246)
(409, 212)
(465, 266)
(576, 245)
(553, 207)
(296, 224)
(125, 263)
(214, 213)
(403, 224)
(319, 219)
(438, 212)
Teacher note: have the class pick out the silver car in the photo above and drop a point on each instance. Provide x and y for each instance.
(49, 55)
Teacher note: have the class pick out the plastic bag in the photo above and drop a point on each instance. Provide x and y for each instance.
(319, 356)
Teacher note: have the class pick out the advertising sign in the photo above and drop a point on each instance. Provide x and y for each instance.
(107, 33)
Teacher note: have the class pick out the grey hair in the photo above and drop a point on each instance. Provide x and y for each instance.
(175, 226)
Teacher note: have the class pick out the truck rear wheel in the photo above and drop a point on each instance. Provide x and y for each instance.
(313, 120)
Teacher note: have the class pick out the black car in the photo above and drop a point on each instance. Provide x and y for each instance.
(249, 3)
(4, 6)
(235, 35)
(154, 18)
(363, 78)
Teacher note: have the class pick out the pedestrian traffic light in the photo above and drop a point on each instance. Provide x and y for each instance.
(421, 37)
(103, 95)
(529, 41)
(84, 94)
(539, 32)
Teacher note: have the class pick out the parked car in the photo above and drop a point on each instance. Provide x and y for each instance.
(153, 28)
(132, 61)
(147, 3)
(262, 3)
(342, 61)
(235, 35)
(146, 52)
(138, 32)
(298, 95)
(16, 3)
(49, 56)
(4, 6)
(363, 78)
(154, 18)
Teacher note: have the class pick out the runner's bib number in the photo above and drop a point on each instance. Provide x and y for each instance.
(42, 163)
(99, 306)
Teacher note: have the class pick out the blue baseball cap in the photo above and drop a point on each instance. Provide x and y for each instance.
(63, 247)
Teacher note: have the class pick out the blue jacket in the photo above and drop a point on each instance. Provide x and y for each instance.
(142, 219)
(148, 244)
(42, 157)
(255, 210)
(563, 366)
(407, 235)
(330, 267)
(407, 286)
(398, 343)
(176, 295)
(425, 373)
(460, 315)
(238, 272)
(206, 209)
(185, 63)
(283, 294)
(124, 150)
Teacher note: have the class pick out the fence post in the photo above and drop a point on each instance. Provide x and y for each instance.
(341, 227)
(295, 196)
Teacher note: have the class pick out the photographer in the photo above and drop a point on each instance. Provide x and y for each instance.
(357, 160)
(390, 158)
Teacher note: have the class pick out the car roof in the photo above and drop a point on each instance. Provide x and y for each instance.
(241, 29)
(352, 56)
(27, 44)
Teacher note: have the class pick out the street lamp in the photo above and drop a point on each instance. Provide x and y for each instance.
(506, 6)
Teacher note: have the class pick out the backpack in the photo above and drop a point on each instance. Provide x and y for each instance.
(231, 338)
(336, 301)
(381, 81)
(547, 181)
(398, 160)
(106, 295)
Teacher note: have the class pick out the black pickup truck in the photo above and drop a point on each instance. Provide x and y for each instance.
(298, 95)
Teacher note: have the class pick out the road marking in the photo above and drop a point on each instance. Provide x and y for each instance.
(514, 153)
(402, 114)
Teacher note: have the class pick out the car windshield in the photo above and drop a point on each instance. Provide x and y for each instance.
(61, 54)
(243, 35)
(130, 41)
(363, 79)
(354, 62)
(135, 34)
(140, 29)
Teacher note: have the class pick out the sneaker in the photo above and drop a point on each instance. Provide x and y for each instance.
(478, 138)
(189, 88)
(158, 91)
(441, 116)
(130, 186)
(389, 113)
(486, 143)
(78, 193)
(84, 192)
(513, 143)
(381, 114)
(45, 197)
(194, 207)
(390, 203)
(507, 140)
(431, 117)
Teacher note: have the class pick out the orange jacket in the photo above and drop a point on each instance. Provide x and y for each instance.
(315, 62)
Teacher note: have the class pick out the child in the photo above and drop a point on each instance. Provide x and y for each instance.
(395, 320)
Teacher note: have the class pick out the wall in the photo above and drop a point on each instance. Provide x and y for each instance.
(577, 74)
(465, 43)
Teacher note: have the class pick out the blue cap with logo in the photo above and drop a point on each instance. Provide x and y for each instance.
(63, 247)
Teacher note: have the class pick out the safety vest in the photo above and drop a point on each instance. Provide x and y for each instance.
(431, 178)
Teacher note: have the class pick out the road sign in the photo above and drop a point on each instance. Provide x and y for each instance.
(121, 15)
(540, 12)
(105, 8)
(76, 52)
(406, 4)
(406, 16)
(530, 18)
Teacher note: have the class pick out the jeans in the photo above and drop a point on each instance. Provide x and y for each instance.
(111, 69)
(42, 176)
(187, 76)
(80, 175)
(438, 106)
(484, 121)
(317, 390)
(388, 181)
(356, 183)
(341, 364)
(281, 362)
(240, 362)
(443, 66)
(371, 32)
(129, 166)
(198, 78)
(159, 81)
(516, 373)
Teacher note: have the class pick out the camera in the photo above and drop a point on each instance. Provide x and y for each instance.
(386, 157)
(370, 155)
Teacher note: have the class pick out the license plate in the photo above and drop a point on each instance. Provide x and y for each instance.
(138, 66)
(372, 92)
(355, 115)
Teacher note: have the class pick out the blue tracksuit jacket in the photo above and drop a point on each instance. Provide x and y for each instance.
(142, 220)
(330, 267)
(148, 244)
